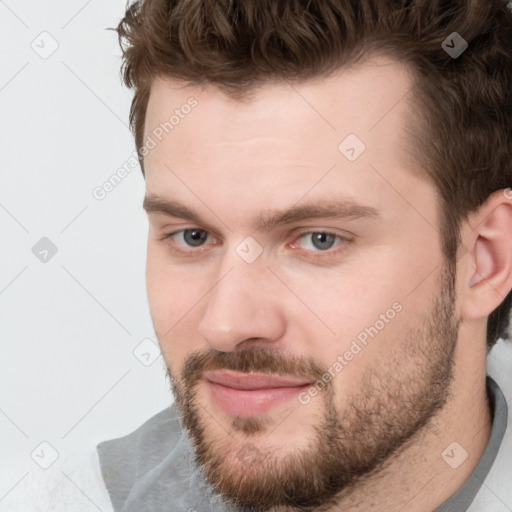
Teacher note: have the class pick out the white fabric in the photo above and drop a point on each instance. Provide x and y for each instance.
(74, 484)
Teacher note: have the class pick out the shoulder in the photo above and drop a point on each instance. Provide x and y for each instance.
(134, 458)
(496, 493)
(153, 439)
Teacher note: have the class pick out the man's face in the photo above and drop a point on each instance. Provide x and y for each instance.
(303, 350)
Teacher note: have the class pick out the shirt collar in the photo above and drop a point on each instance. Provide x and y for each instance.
(463, 498)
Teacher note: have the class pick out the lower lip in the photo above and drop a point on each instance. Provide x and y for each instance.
(247, 403)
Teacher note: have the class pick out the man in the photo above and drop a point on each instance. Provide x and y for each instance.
(329, 254)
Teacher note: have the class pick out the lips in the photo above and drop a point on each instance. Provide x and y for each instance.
(246, 395)
(248, 381)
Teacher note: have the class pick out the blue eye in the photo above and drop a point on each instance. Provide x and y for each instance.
(314, 244)
(192, 237)
(321, 240)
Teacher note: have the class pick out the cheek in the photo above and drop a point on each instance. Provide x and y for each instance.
(343, 300)
(158, 283)
(167, 283)
(175, 296)
(362, 309)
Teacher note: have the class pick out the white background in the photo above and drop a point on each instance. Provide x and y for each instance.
(68, 327)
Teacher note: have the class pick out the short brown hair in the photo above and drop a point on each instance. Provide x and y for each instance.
(463, 105)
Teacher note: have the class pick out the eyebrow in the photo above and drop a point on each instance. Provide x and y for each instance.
(266, 221)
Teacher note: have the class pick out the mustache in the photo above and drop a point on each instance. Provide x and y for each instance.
(257, 360)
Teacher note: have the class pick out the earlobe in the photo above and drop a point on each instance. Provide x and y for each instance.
(490, 257)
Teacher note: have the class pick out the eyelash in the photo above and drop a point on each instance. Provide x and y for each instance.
(340, 247)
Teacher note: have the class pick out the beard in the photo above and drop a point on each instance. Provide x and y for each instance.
(346, 442)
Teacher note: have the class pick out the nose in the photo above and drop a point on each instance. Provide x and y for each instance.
(243, 309)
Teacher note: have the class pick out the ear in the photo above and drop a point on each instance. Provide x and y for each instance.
(486, 269)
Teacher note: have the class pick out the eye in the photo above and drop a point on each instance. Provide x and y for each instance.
(319, 241)
(194, 241)
(192, 237)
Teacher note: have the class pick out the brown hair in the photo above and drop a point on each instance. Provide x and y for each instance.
(463, 105)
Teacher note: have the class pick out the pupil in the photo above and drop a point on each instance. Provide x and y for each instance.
(323, 240)
(195, 237)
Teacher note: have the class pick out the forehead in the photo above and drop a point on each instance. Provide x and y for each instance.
(281, 143)
(376, 83)
(367, 99)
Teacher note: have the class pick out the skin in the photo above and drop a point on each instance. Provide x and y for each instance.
(231, 161)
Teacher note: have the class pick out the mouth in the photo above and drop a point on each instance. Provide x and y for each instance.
(250, 394)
